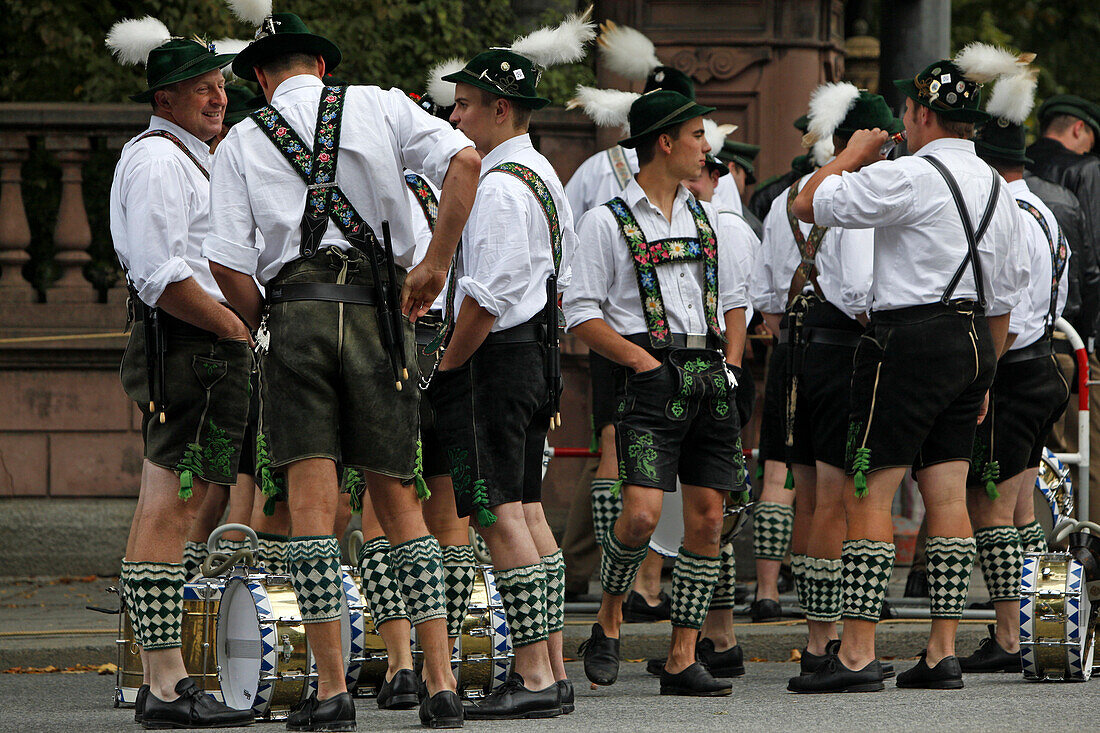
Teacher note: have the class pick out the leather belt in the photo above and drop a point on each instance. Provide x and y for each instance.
(330, 292)
(831, 336)
(679, 340)
(1037, 350)
(521, 334)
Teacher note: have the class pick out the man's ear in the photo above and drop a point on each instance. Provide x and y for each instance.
(161, 98)
(502, 110)
(664, 143)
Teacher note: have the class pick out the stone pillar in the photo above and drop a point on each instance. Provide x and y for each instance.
(15, 231)
(914, 33)
(72, 236)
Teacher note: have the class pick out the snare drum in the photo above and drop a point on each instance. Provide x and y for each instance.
(201, 598)
(1056, 622)
(1053, 492)
(484, 653)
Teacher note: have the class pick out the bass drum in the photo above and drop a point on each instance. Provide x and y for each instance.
(264, 662)
(1057, 625)
(483, 655)
(201, 599)
(1054, 497)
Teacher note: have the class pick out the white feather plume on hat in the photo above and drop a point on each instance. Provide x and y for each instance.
(1013, 97)
(829, 105)
(252, 12)
(823, 151)
(561, 45)
(716, 134)
(443, 92)
(605, 107)
(983, 63)
(132, 40)
(626, 51)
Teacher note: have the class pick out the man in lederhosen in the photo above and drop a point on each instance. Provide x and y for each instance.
(188, 359)
(946, 275)
(659, 294)
(333, 382)
(1029, 392)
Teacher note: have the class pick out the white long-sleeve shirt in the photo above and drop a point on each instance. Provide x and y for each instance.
(736, 233)
(604, 281)
(160, 206)
(594, 182)
(1028, 320)
(919, 238)
(254, 186)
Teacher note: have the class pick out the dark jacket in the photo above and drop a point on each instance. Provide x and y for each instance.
(1054, 162)
(761, 201)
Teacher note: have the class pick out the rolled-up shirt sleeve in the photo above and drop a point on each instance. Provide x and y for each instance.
(156, 191)
(497, 253)
(427, 143)
(231, 240)
(877, 195)
(593, 268)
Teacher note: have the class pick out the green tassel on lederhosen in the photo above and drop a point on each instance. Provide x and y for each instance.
(485, 517)
(422, 491)
(269, 487)
(354, 486)
(990, 473)
(189, 465)
(789, 482)
(861, 463)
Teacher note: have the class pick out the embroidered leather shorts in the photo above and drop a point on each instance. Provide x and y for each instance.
(680, 420)
(206, 395)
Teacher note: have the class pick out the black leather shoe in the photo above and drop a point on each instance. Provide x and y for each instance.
(730, 663)
(513, 701)
(916, 584)
(337, 713)
(192, 709)
(139, 703)
(765, 609)
(833, 676)
(694, 681)
(990, 657)
(635, 608)
(947, 675)
(442, 710)
(601, 657)
(811, 662)
(401, 692)
(568, 698)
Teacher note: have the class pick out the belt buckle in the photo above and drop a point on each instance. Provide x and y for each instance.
(695, 341)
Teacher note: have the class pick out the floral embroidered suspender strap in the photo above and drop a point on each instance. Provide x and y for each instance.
(807, 250)
(1058, 258)
(429, 204)
(619, 166)
(425, 196)
(542, 194)
(647, 255)
(317, 167)
(179, 144)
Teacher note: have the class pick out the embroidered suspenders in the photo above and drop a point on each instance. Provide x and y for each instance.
(807, 249)
(542, 194)
(1058, 258)
(619, 166)
(179, 144)
(647, 255)
(424, 196)
(429, 204)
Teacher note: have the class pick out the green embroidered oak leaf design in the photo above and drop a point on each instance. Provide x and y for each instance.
(210, 367)
(219, 449)
(696, 366)
(642, 451)
(460, 470)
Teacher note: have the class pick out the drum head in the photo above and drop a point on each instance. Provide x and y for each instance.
(669, 534)
(238, 646)
(1053, 492)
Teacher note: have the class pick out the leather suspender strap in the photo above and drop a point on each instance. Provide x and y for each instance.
(972, 237)
(179, 144)
(807, 251)
(1059, 253)
(619, 166)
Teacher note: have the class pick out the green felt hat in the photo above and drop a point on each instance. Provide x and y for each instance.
(670, 79)
(242, 103)
(283, 33)
(870, 111)
(660, 110)
(1002, 140)
(504, 73)
(713, 164)
(177, 60)
(943, 88)
(1071, 104)
(743, 154)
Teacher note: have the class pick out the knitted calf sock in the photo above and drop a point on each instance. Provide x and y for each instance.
(1002, 559)
(725, 589)
(771, 530)
(272, 551)
(619, 564)
(554, 565)
(193, 555)
(315, 575)
(801, 585)
(156, 590)
(821, 578)
(381, 588)
(419, 565)
(693, 580)
(523, 592)
(126, 594)
(1032, 537)
(605, 506)
(459, 573)
(865, 569)
(950, 562)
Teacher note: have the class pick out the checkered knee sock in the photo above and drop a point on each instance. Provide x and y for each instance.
(865, 567)
(419, 565)
(554, 565)
(619, 564)
(1032, 537)
(771, 530)
(605, 506)
(821, 578)
(156, 589)
(315, 575)
(459, 572)
(272, 552)
(801, 582)
(950, 562)
(523, 591)
(126, 594)
(1002, 559)
(724, 590)
(381, 588)
(193, 555)
(693, 580)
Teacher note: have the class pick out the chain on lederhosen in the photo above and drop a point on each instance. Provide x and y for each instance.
(1059, 255)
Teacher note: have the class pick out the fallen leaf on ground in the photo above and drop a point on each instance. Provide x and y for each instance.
(108, 668)
(796, 655)
(757, 659)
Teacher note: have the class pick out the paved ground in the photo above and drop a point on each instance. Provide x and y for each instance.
(81, 702)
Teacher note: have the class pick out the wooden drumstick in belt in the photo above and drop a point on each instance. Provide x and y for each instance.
(394, 304)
